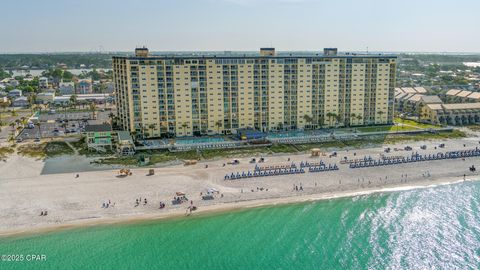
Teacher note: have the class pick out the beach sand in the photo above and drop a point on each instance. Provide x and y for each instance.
(72, 201)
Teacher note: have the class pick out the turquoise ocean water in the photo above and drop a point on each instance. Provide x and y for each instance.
(432, 228)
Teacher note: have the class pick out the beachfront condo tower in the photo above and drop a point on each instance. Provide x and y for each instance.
(194, 94)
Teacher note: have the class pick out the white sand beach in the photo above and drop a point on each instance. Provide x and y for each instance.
(71, 201)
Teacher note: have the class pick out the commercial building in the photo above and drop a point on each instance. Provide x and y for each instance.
(196, 95)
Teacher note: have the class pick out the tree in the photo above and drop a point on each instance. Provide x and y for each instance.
(359, 118)
(380, 113)
(4, 74)
(320, 121)
(152, 127)
(32, 100)
(184, 126)
(330, 116)
(93, 106)
(39, 130)
(352, 116)
(219, 124)
(308, 119)
(12, 125)
(111, 116)
(73, 100)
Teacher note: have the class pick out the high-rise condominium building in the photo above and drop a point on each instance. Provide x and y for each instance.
(195, 95)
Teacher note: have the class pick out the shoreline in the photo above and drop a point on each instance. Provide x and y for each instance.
(227, 207)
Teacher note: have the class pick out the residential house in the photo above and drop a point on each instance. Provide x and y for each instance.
(99, 137)
(15, 93)
(84, 87)
(45, 97)
(43, 83)
(125, 145)
(66, 88)
(20, 102)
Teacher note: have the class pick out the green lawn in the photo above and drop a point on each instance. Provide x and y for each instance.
(46, 149)
(5, 151)
(388, 128)
(414, 123)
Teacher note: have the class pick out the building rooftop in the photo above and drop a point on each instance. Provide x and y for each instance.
(98, 128)
(145, 55)
(420, 90)
(401, 96)
(474, 95)
(415, 98)
(453, 92)
(434, 99)
(463, 93)
(124, 136)
(409, 90)
(461, 106)
(435, 106)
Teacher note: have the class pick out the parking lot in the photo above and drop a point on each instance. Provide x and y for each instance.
(44, 117)
(61, 124)
(53, 129)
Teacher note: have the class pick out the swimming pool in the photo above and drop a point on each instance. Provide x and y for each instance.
(293, 134)
(199, 140)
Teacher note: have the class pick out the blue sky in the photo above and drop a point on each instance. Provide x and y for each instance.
(209, 25)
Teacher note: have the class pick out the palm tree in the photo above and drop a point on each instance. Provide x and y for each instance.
(338, 119)
(380, 113)
(330, 115)
(280, 126)
(4, 106)
(184, 126)
(23, 120)
(320, 121)
(93, 106)
(12, 125)
(134, 134)
(73, 100)
(308, 119)
(142, 130)
(111, 116)
(352, 116)
(39, 130)
(152, 127)
(218, 124)
(359, 118)
(32, 100)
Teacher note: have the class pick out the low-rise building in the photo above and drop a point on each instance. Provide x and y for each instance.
(43, 83)
(87, 98)
(15, 93)
(84, 87)
(45, 97)
(99, 137)
(125, 144)
(452, 114)
(20, 102)
(66, 88)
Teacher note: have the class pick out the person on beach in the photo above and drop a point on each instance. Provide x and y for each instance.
(145, 201)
